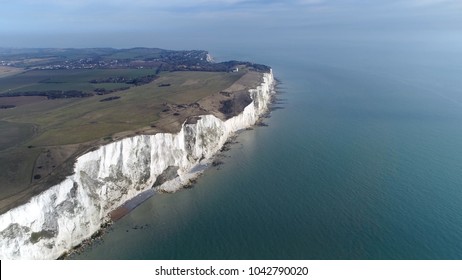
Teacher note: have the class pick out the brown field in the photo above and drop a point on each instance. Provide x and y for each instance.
(6, 71)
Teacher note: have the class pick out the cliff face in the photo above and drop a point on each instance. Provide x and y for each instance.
(66, 214)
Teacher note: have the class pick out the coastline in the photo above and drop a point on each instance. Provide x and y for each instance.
(201, 140)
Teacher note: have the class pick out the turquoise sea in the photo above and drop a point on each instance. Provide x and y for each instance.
(362, 159)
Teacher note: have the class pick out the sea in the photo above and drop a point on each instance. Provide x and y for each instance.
(361, 159)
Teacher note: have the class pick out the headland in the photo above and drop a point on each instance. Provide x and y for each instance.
(86, 152)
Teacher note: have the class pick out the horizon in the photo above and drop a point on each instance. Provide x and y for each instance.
(199, 24)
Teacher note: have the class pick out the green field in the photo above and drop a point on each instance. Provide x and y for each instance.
(43, 125)
(14, 133)
(77, 79)
(59, 120)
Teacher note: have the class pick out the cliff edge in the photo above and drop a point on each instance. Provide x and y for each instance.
(64, 215)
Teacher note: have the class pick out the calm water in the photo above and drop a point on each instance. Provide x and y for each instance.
(364, 161)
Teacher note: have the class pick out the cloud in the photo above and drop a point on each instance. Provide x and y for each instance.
(52, 15)
(440, 3)
(159, 4)
(127, 3)
(428, 2)
(311, 2)
(96, 15)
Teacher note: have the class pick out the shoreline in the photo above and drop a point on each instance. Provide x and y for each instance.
(215, 162)
(51, 164)
(135, 197)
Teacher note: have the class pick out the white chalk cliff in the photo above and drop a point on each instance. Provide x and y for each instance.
(61, 217)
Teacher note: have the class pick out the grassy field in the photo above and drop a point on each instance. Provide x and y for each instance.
(59, 120)
(17, 166)
(32, 128)
(78, 79)
(13, 134)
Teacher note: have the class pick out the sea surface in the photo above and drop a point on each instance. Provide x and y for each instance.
(362, 159)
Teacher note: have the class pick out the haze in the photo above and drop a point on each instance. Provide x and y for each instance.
(200, 24)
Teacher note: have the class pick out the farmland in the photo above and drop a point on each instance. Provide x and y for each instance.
(63, 80)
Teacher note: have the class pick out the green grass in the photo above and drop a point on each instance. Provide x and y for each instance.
(137, 107)
(13, 134)
(88, 119)
(77, 120)
(16, 169)
(78, 79)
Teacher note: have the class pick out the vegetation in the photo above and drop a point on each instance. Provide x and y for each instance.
(55, 114)
(136, 58)
(109, 98)
(50, 94)
(71, 80)
(7, 106)
(62, 122)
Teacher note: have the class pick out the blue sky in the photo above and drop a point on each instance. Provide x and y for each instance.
(68, 22)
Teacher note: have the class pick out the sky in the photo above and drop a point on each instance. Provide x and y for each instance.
(131, 23)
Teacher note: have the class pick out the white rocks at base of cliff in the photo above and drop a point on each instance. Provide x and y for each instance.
(61, 217)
